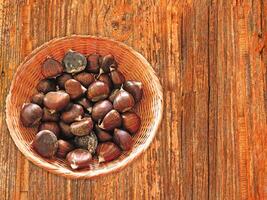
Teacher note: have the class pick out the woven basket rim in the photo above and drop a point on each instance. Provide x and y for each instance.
(99, 172)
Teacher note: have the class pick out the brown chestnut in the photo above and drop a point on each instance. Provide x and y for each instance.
(64, 148)
(123, 139)
(98, 90)
(111, 121)
(135, 88)
(56, 101)
(106, 79)
(123, 101)
(84, 78)
(93, 64)
(131, 122)
(117, 78)
(62, 79)
(83, 127)
(100, 109)
(113, 95)
(102, 135)
(88, 142)
(50, 115)
(107, 151)
(47, 85)
(65, 130)
(79, 158)
(51, 68)
(31, 114)
(38, 98)
(74, 88)
(51, 126)
(45, 143)
(74, 62)
(108, 63)
(74, 114)
(85, 103)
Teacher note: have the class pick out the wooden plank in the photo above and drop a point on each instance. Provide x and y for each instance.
(211, 58)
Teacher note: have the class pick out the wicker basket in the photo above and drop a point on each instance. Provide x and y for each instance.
(133, 65)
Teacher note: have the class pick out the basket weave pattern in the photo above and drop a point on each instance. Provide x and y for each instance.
(131, 64)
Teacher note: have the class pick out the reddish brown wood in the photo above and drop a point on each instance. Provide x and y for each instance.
(211, 57)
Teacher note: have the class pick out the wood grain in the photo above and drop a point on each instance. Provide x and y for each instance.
(211, 57)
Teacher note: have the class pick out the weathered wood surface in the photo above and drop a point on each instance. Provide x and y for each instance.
(211, 58)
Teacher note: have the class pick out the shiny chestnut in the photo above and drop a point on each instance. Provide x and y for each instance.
(38, 98)
(62, 79)
(45, 143)
(98, 90)
(47, 85)
(79, 158)
(135, 88)
(83, 127)
(51, 68)
(107, 151)
(111, 120)
(117, 78)
(31, 114)
(56, 101)
(51, 126)
(84, 78)
(74, 88)
(123, 139)
(131, 122)
(100, 109)
(75, 113)
(123, 101)
(64, 147)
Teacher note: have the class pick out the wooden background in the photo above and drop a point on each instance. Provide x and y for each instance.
(211, 58)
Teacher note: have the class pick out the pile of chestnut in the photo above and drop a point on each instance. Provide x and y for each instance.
(83, 110)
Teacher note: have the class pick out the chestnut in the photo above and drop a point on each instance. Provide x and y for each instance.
(75, 113)
(123, 139)
(84, 78)
(108, 63)
(51, 126)
(79, 158)
(65, 130)
(135, 88)
(93, 64)
(74, 62)
(62, 79)
(100, 109)
(102, 135)
(85, 103)
(111, 121)
(38, 98)
(51, 68)
(64, 148)
(74, 88)
(88, 142)
(50, 115)
(123, 101)
(56, 101)
(117, 78)
(113, 95)
(106, 79)
(107, 151)
(98, 90)
(83, 127)
(31, 114)
(47, 85)
(45, 143)
(131, 122)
